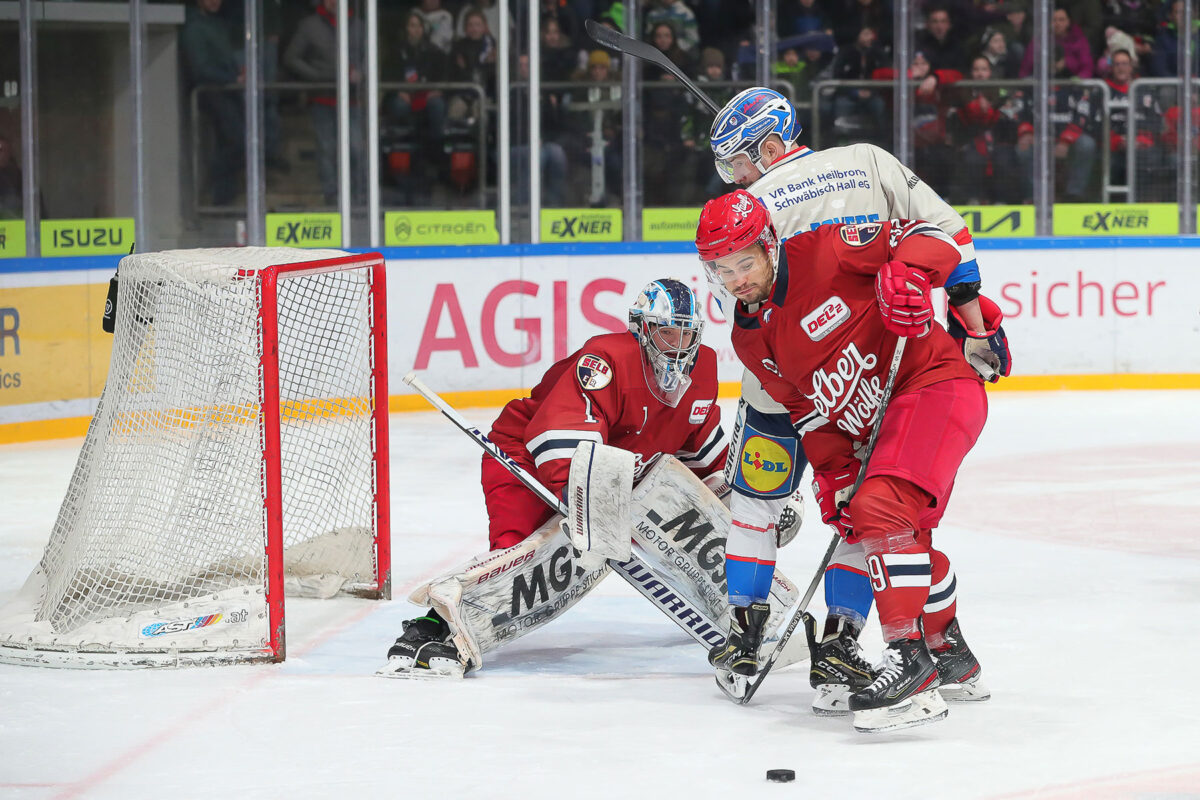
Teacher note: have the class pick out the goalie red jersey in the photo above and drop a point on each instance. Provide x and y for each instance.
(600, 394)
(817, 342)
(652, 391)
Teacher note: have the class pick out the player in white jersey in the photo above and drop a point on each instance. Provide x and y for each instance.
(753, 142)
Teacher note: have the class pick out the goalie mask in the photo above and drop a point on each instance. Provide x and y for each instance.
(729, 224)
(667, 323)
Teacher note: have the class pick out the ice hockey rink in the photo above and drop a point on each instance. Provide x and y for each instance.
(1074, 530)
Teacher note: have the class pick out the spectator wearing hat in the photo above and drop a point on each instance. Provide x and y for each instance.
(1075, 60)
(1003, 63)
(1115, 41)
(940, 45)
(600, 96)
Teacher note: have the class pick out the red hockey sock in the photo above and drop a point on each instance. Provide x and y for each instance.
(884, 514)
(942, 604)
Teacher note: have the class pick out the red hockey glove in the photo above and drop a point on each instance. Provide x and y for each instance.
(833, 496)
(987, 352)
(903, 295)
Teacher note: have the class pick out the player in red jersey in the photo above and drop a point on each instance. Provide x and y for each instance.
(651, 390)
(817, 321)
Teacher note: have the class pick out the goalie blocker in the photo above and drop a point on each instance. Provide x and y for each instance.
(677, 527)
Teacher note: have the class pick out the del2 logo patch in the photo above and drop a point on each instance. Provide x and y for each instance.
(827, 316)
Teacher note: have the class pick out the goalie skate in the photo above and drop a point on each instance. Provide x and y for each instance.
(424, 651)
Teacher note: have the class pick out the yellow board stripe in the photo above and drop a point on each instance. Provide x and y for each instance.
(71, 427)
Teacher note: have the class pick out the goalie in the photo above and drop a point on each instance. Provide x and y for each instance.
(651, 391)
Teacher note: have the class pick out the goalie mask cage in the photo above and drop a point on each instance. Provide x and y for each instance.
(240, 444)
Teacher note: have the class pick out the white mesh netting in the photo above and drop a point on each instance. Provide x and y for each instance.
(159, 544)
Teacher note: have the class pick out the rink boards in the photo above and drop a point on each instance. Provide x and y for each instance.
(482, 323)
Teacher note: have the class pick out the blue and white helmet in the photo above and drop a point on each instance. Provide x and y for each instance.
(668, 324)
(745, 123)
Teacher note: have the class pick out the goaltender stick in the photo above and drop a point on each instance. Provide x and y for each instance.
(651, 391)
(818, 320)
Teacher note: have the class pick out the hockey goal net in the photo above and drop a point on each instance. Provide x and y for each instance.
(240, 445)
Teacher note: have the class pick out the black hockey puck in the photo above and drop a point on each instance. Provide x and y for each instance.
(781, 775)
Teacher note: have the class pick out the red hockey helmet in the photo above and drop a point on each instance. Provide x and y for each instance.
(730, 224)
(733, 222)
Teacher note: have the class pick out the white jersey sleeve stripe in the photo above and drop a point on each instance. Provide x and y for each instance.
(551, 445)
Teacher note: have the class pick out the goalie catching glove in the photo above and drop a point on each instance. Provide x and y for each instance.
(986, 352)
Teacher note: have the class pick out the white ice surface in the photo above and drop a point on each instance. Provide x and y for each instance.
(1075, 533)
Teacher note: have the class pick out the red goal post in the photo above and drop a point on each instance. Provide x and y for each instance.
(239, 450)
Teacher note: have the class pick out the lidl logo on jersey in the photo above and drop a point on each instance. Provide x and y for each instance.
(821, 322)
(700, 410)
(860, 235)
(765, 464)
(593, 372)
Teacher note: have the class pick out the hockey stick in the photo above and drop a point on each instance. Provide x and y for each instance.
(615, 40)
(802, 608)
(674, 606)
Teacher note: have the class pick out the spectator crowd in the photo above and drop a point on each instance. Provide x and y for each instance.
(971, 61)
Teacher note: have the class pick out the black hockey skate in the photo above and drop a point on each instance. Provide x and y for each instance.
(905, 692)
(837, 669)
(424, 650)
(737, 659)
(958, 668)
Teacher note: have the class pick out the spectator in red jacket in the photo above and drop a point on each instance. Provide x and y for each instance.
(1076, 60)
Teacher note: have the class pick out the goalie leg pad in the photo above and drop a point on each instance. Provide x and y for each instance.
(679, 531)
(598, 488)
(503, 595)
